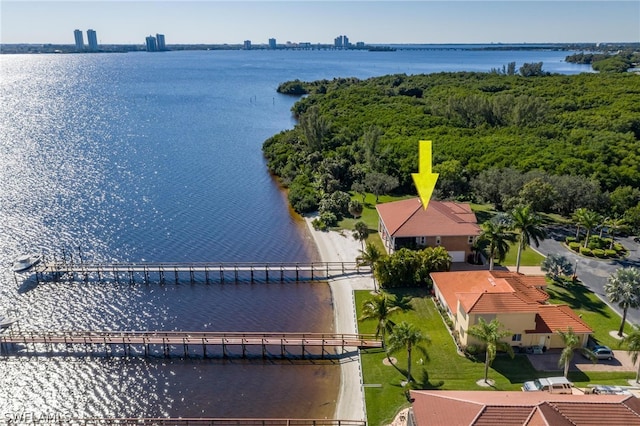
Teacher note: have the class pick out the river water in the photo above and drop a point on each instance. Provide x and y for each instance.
(157, 157)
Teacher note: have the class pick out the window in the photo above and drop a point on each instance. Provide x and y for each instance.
(438, 241)
(471, 239)
(516, 337)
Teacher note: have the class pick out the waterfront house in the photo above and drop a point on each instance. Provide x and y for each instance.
(406, 223)
(518, 301)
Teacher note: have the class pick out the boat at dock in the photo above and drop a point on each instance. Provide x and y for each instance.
(26, 262)
(5, 322)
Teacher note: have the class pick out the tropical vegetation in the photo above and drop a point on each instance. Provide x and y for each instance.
(632, 342)
(554, 142)
(623, 288)
(407, 336)
(491, 334)
(572, 343)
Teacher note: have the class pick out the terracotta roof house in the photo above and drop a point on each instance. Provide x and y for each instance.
(406, 224)
(479, 408)
(516, 300)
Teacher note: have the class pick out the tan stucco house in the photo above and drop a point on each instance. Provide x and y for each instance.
(517, 301)
(406, 223)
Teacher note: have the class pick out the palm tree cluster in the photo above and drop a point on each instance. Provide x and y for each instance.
(522, 225)
(590, 220)
(401, 336)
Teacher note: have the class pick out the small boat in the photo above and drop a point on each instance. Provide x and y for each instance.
(26, 262)
(5, 322)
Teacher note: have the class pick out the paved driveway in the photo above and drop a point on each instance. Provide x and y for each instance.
(548, 361)
(593, 272)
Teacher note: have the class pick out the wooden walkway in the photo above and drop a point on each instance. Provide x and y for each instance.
(87, 341)
(205, 272)
(190, 421)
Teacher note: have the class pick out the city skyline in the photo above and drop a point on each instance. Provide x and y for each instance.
(219, 22)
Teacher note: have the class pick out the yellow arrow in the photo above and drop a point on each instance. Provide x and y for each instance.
(425, 180)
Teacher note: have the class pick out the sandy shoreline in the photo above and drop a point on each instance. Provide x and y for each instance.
(336, 246)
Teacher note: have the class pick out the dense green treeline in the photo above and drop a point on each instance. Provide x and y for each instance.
(586, 126)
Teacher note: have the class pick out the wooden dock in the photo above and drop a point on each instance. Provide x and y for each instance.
(197, 422)
(226, 344)
(196, 272)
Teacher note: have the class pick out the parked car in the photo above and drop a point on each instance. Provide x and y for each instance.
(549, 384)
(602, 352)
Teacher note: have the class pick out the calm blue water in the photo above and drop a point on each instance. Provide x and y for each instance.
(154, 157)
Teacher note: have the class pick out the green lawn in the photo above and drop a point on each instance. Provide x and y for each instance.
(600, 317)
(445, 369)
(529, 257)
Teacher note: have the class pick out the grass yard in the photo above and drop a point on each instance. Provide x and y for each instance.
(529, 257)
(600, 317)
(445, 369)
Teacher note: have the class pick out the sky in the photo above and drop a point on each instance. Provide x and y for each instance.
(320, 21)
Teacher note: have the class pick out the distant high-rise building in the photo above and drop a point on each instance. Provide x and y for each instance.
(272, 43)
(152, 46)
(160, 42)
(92, 39)
(247, 44)
(77, 34)
(341, 41)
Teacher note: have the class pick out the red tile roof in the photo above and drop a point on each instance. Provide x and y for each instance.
(551, 318)
(495, 303)
(495, 292)
(407, 218)
(522, 408)
(498, 291)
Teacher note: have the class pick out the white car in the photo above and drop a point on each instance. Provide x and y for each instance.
(549, 384)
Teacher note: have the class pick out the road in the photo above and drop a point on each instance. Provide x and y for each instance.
(591, 271)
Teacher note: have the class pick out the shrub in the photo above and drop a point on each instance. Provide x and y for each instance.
(618, 247)
(329, 219)
(319, 225)
(598, 253)
(570, 240)
(610, 253)
(585, 251)
(575, 246)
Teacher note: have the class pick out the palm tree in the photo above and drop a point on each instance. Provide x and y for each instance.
(407, 336)
(370, 257)
(490, 333)
(577, 218)
(380, 308)
(361, 232)
(633, 346)
(589, 219)
(571, 343)
(623, 288)
(529, 225)
(556, 266)
(615, 225)
(496, 238)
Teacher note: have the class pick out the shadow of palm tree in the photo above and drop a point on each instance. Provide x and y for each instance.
(576, 296)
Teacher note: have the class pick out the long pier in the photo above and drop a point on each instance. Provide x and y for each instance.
(204, 271)
(22, 418)
(88, 341)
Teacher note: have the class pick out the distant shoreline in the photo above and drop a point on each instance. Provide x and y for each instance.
(44, 48)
